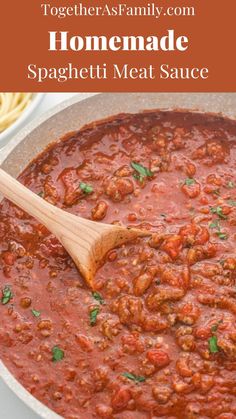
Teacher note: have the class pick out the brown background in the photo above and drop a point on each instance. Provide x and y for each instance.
(24, 39)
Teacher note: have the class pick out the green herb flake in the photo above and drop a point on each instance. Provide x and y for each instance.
(87, 189)
(138, 177)
(6, 295)
(98, 297)
(214, 328)
(35, 313)
(41, 194)
(213, 346)
(230, 184)
(222, 236)
(93, 316)
(231, 202)
(218, 211)
(215, 224)
(216, 192)
(57, 354)
(189, 181)
(141, 170)
(133, 377)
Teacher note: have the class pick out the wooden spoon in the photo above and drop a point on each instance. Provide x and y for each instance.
(87, 242)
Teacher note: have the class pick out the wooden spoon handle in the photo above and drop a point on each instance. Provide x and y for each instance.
(27, 200)
(58, 221)
(86, 241)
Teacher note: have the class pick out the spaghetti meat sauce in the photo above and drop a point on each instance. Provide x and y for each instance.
(157, 336)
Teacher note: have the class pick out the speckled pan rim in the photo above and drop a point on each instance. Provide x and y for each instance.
(31, 126)
(95, 108)
(42, 410)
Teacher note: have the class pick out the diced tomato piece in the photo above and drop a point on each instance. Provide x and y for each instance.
(158, 358)
(121, 398)
(172, 246)
(9, 258)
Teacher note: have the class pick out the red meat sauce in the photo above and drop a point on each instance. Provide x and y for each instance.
(157, 337)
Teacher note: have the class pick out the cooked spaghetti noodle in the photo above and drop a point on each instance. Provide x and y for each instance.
(11, 107)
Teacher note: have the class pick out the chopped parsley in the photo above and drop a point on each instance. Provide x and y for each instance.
(213, 341)
(138, 177)
(6, 295)
(189, 181)
(216, 192)
(142, 171)
(218, 211)
(221, 235)
(215, 224)
(231, 202)
(87, 189)
(35, 313)
(230, 184)
(133, 377)
(57, 354)
(41, 194)
(98, 297)
(93, 316)
(214, 328)
(213, 346)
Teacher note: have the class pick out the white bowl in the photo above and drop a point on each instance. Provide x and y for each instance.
(7, 134)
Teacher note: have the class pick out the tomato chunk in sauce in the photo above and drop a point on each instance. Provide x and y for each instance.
(157, 336)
